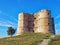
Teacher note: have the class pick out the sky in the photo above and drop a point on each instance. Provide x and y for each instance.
(9, 10)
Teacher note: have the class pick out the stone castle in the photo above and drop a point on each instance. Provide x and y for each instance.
(38, 22)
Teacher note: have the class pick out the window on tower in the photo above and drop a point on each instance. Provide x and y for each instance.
(48, 23)
(34, 18)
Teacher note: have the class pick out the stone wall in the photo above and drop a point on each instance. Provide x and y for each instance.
(38, 22)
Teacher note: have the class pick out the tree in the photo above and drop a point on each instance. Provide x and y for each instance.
(11, 31)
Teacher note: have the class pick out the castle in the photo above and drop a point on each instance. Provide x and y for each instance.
(38, 22)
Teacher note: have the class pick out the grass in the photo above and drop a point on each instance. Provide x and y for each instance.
(28, 38)
(55, 41)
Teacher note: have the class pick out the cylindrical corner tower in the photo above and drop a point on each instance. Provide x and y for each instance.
(44, 22)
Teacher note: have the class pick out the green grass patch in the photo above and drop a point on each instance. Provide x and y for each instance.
(28, 38)
(55, 41)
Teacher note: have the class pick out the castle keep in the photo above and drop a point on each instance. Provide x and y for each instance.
(38, 22)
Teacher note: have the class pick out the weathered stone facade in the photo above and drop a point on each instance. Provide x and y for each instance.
(38, 22)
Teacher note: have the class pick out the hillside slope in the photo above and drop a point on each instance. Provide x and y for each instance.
(25, 39)
(55, 40)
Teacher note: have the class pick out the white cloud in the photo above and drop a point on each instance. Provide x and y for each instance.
(58, 16)
(57, 31)
(58, 24)
(2, 23)
(6, 22)
(10, 16)
(7, 15)
(7, 25)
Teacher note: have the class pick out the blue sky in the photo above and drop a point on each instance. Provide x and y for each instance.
(9, 10)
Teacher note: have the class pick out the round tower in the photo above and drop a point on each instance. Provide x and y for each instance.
(44, 23)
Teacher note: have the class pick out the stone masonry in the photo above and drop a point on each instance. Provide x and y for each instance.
(38, 22)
